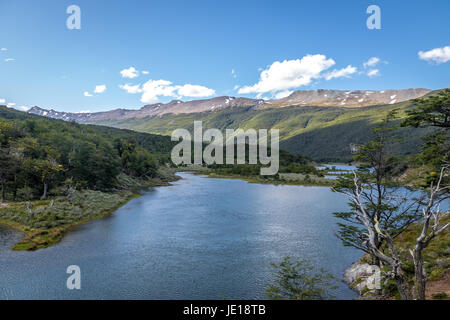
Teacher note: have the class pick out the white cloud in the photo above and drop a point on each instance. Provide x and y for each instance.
(373, 73)
(3, 49)
(189, 90)
(130, 73)
(236, 87)
(289, 74)
(437, 55)
(13, 105)
(372, 62)
(145, 72)
(233, 73)
(283, 94)
(131, 89)
(100, 88)
(23, 108)
(153, 89)
(346, 72)
(9, 59)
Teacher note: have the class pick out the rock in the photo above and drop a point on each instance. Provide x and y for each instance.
(361, 277)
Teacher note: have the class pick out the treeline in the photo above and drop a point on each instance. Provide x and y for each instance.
(292, 163)
(40, 156)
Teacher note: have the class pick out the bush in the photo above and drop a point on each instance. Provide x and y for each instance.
(440, 296)
(25, 194)
(298, 281)
(389, 288)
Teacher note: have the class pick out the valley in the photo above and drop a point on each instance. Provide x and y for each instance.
(128, 155)
(225, 152)
(323, 130)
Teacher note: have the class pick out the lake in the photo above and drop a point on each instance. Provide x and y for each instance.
(200, 238)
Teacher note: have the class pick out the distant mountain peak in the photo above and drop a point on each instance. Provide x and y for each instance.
(348, 98)
(320, 97)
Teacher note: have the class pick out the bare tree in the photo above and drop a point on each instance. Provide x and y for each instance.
(383, 198)
(390, 252)
(431, 228)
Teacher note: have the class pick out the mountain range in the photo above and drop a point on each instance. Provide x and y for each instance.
(323, 125)
(328, 98)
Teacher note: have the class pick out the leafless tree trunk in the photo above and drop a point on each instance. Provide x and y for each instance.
(15, 187)
(30, 212)
(44, 196)
(393, 258)
(373, 232)
(3, 182)
(430, 230)
(419, 273)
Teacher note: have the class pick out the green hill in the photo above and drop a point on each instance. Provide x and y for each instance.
(321, 133)
(39, 154)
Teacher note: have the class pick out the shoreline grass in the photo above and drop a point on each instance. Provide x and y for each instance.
(321, 182)
(45, 223)
(38, 238)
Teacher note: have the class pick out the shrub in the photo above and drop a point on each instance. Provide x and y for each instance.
(440, 296)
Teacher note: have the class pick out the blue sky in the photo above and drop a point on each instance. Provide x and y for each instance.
(189, 49)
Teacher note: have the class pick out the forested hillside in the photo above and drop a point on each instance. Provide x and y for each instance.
(321, 133)
(41, 157)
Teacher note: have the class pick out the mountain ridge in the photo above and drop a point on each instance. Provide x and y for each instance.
(323, 133)
(321, 98)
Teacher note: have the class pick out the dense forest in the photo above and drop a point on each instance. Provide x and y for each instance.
(40, 157)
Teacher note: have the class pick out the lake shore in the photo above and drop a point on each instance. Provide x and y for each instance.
(21, 216)
(301, 181)
(38, 238)
(45, 222)
(294, 179)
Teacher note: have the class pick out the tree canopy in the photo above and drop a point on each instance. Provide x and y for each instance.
(40, 155)
(433, 110)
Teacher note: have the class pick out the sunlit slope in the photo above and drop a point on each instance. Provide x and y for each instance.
(322, 133)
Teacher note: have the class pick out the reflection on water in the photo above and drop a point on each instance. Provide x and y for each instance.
(343, 167)
(198, 239)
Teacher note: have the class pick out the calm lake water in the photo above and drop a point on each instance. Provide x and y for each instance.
(201, 238)
(337, 167)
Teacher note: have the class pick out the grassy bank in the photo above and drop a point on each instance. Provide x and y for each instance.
(295, 179)
(45, 222)
(300, 180)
